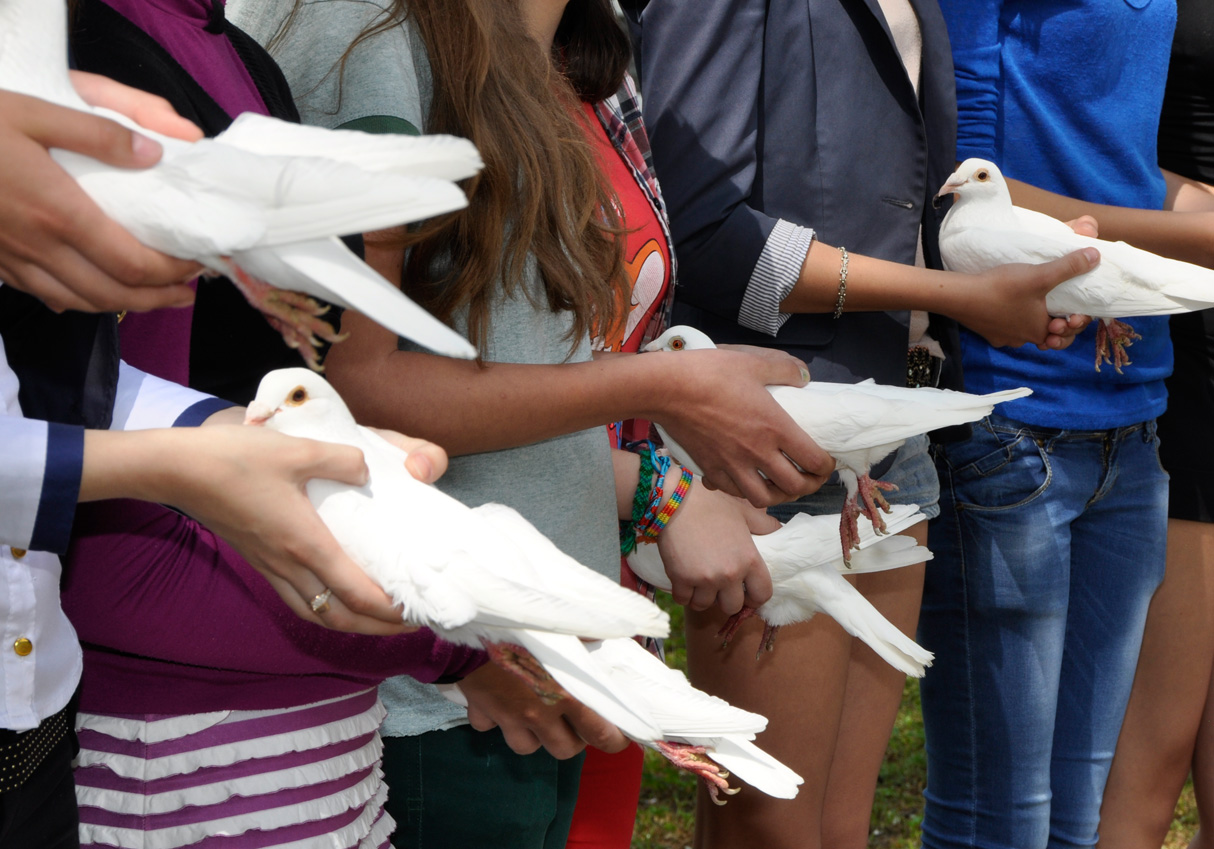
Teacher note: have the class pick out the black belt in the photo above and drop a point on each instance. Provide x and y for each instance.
(22, 752)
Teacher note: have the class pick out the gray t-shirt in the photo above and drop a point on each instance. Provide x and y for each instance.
(564, 485)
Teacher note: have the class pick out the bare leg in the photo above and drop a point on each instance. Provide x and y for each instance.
(1169, 699)
(1203, 774)
(870, 706)
(799, 688)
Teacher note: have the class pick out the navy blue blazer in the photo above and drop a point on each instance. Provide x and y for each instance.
(759, 110)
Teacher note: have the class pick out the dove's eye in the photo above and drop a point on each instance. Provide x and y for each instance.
(983, 176)
(677, 343)
(297, 396)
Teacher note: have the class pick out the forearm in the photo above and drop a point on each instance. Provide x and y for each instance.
(874, 284)
(470, 408)
(1182, 231)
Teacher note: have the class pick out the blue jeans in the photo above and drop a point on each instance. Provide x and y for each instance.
(1048, 548)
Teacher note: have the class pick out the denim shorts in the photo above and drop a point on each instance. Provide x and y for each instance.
(913, 472)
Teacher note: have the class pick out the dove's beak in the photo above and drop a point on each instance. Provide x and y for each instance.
(951, 185)
(258, 413)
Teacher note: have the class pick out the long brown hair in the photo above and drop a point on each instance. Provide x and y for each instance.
(541, 191)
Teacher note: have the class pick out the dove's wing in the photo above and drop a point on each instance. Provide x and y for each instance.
(585, 603)
(646, 563)
(326, 269)
(206, 199)
(753, 765)
(444, 157)
(860, 421)
(890, 552)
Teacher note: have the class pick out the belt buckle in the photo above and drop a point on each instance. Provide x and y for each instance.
(922, 369)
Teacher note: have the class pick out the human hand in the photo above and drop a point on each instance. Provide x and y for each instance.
(426, 461)
(1007, 307)
(709, 555)
(55, 243)
(719, 410)
(499, 699)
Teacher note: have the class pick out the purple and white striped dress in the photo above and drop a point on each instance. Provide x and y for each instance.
(306, 776)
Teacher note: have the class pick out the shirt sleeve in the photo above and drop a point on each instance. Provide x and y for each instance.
(973, 31)
(143, 401)
(702, 67)
(39, 482)
(382, 76)
(775, 275)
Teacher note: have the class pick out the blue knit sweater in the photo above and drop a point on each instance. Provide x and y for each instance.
(1066, 96)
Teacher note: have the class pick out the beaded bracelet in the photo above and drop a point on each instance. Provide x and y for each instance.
(658, 524)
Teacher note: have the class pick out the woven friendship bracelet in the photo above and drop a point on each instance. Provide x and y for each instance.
(662, 518)
(842, 283)
(640, 498)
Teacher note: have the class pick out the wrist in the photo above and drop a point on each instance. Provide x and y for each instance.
(131, 464)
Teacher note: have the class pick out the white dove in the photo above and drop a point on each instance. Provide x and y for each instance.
(479, 576)
(700, 733)
(858, 424)
(264, 201)
(983, 229)
(805, 572)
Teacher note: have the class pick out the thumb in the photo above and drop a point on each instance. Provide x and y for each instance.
(784, 371)
(342, 463)
(1072, 265)
(90, 135)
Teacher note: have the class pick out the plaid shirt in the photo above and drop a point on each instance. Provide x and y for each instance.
(620, 116)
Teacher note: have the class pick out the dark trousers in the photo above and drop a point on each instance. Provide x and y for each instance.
(41, 813)
(465, 789)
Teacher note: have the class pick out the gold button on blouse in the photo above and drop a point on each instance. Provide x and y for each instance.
(22, 646)
(18, 553)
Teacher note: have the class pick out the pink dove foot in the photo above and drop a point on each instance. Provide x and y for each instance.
(733, 623)
(518, 661)
(849, 531)
(768, 643)
(294, 315)
(694, 759)
(1112, 338)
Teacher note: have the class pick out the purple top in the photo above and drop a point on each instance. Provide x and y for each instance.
(188, 626)
(180, 27)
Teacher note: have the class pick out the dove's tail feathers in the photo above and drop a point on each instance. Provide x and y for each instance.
(893, 552)
(325, 269)
(1006, 395)
(894, 647)
(678, 708)
(857, 616)
(756, 767)
(589, 604)
(567, 660)
(444, 157)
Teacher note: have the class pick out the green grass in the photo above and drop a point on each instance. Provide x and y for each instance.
(666, 818)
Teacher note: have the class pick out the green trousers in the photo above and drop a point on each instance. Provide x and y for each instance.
(465, 789)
